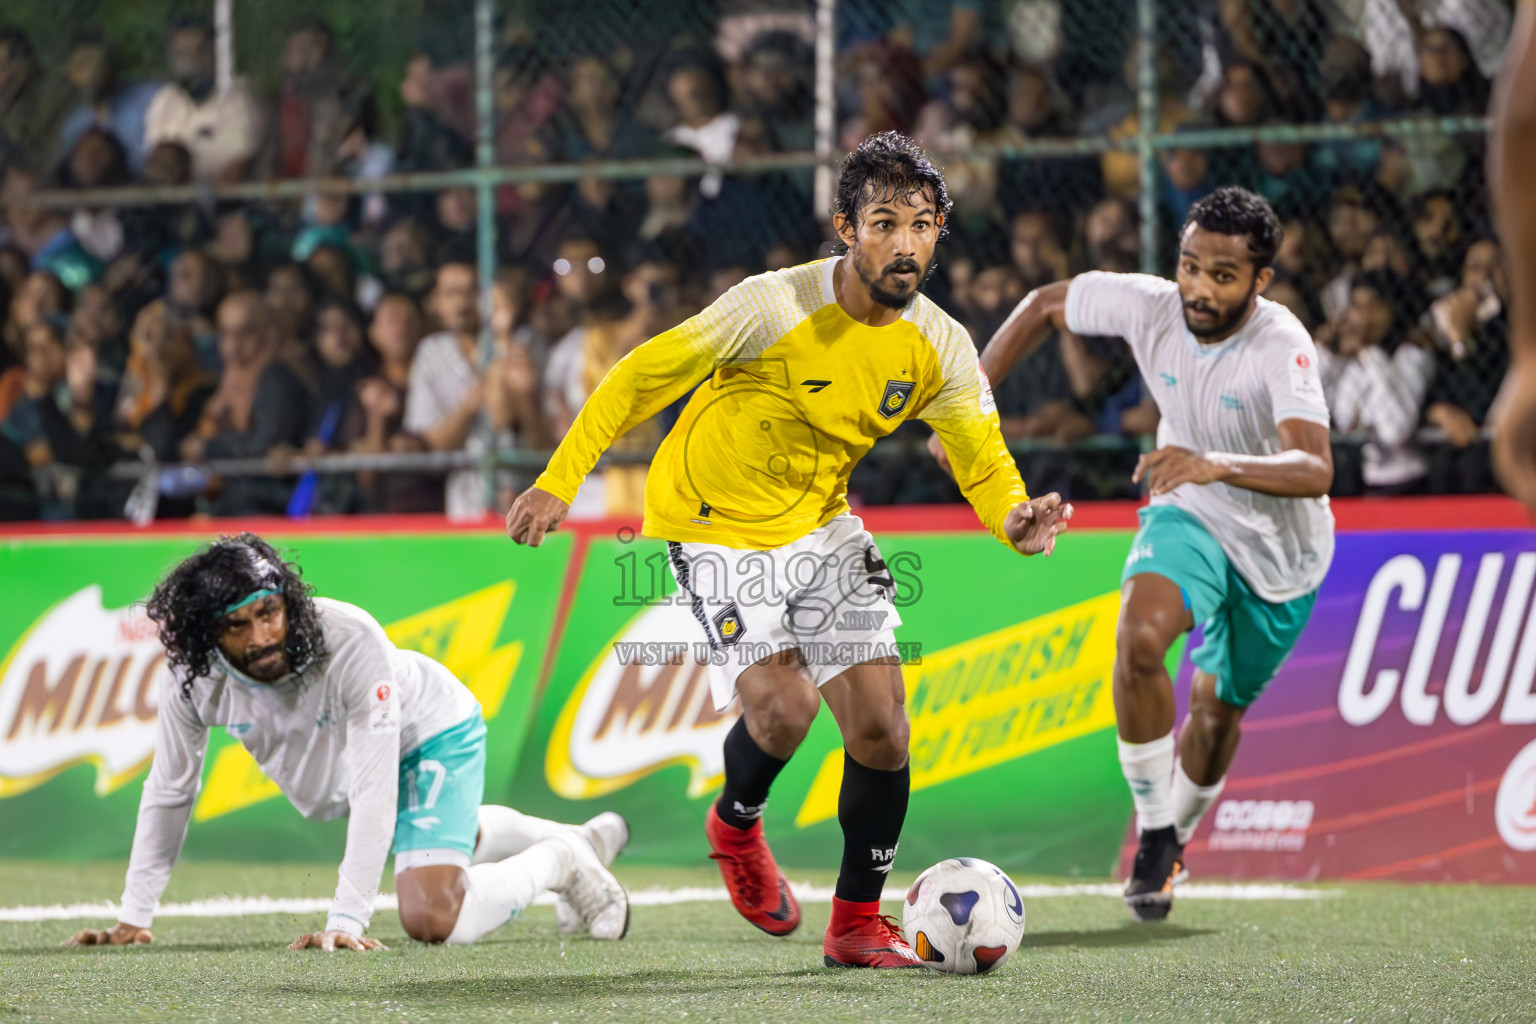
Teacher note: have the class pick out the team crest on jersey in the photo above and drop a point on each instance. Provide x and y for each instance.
(897, 392)
(729, 625)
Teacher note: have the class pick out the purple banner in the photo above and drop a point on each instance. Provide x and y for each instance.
(1399, 740)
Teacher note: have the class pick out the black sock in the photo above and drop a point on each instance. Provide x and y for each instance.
(749, 771)
(871, 808)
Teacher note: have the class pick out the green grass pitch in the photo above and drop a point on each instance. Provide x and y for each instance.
(1376, 952)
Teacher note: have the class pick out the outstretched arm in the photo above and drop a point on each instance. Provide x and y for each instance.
(165, 807)
(647, 380)
(1031, 322)
(1303, 470)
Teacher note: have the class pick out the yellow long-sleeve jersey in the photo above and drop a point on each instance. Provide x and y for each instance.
(794, 393)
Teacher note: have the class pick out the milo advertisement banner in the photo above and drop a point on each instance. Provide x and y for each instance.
(1008, 691)
(80, 678)
(1399, 741)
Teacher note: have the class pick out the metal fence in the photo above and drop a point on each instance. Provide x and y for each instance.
(1075, 134)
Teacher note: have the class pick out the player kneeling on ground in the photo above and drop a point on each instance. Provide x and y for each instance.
(347, 724)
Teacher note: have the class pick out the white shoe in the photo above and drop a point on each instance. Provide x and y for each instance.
(592, 891)
(609, 834)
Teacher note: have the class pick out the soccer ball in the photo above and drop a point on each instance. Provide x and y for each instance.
(963, 916)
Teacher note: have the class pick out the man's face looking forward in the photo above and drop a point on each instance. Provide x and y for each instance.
(254, 638)
(891, 246)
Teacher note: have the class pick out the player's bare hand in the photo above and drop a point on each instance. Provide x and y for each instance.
(119, 934)
(1032, 525)
(534, 514)
(936, 449)
(1172, 466)
(332, 940)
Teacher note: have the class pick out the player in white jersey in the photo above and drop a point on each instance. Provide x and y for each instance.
(347, 725)
(1238, 535)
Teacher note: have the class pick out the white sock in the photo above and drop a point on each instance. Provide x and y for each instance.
(1190, 802)
(505, 833)
(497, 893)
(1148, 769)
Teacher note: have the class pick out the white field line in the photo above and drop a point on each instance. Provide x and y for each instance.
(254, 905)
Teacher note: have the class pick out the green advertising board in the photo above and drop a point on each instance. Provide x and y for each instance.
(1013, 751)
(77, 709)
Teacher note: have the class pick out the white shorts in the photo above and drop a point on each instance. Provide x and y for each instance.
(829, 594)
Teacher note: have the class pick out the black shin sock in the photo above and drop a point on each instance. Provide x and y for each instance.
(871, 808)
(749, 771)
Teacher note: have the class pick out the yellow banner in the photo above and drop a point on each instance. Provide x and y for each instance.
(999, 697)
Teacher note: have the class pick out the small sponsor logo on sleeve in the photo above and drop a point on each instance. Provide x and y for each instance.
(1305, 382)
(384, 715)
(988, 403)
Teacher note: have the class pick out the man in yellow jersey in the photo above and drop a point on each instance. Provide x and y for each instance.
(1514, 126)
(803, 370)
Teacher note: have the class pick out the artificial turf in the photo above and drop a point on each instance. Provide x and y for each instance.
(1371, 952)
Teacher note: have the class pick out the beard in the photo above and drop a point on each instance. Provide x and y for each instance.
(1224, 324)
(266, 673)
(891, 295)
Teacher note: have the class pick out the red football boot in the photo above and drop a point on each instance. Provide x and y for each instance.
(861, 936)
(753, 879)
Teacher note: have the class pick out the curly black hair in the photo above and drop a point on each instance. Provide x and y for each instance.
(188, 605)
(884, 167)
(1236, 211)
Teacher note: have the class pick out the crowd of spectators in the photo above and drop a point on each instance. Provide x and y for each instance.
(181, 332)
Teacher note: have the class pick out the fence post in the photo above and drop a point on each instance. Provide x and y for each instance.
(1147, 110)
(485, 212)
(223, 45)
(826, 105)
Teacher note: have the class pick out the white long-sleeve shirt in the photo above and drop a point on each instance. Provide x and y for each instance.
(1384, 395)
(331, 737)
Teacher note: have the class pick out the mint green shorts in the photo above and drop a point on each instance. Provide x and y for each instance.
(1247, 638)
(441, 783)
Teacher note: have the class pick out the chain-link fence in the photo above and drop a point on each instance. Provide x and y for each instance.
(417, 234)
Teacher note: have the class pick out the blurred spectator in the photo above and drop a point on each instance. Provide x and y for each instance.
(1283, 41)
(44, 234)
(317, 99)
(344, 362)
(102, 101)
(1357, 212)
(97, 161)
(30, 113)
(1186, 180)
(610, 213)
(697, 89)
(1038, 249)
(890, 91)
(455, 226)
(1039, 108)
(527, 97)
(512, 400)
(225, 133)
(377, 418)
(41, 294)
(773, 82)
(1449, 79)
(1471, 329)
(289, 305)
(164, 390)
(439, 116)
(1438, 228)
(405, 259)
(594, 124)
(446, 393)
(259, 405)
(42, 372)
(1377, 370)
(1346, 84)
(192, 295)
(1110, 237)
